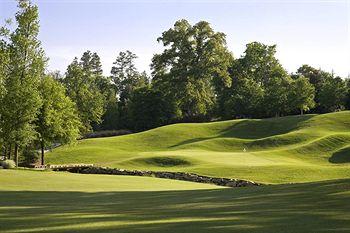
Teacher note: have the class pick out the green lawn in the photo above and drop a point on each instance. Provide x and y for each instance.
(278, 150)
(28, 180)
(62, 202)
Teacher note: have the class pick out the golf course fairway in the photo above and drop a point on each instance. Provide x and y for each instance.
(291, 149)
(65, 202)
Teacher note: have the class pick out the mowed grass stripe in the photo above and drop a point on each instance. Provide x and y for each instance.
(64, 202)
(27, 180)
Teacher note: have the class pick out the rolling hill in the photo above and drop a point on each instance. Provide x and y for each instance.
(289, 149)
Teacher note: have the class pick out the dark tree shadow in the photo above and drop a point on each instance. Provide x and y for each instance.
(256, 129)
(341, 156)
(314, 207)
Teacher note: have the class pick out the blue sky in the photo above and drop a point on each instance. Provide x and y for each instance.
(306, 32)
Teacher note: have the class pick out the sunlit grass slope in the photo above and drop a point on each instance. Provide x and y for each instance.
(41, 202)
(277, 150)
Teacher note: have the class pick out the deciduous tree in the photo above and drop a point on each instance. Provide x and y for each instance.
(332, 96)
(276, 96)
(318, 78)
(126, 79)
(192, 66)
(302, 94)
(4, 63)
(82, 88)
(21, 101)
(244, 99)
(58, 120)
(348, 95)
(125, 76)
(259, 85)
(150, 109)
(260, 63)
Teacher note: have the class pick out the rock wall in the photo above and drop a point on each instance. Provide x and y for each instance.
(159, 174)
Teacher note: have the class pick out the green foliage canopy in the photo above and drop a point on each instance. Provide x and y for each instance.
(26, 63)
(82, 88)
(58, 120)
(192, 67)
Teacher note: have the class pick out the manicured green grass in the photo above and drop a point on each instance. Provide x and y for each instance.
(278, 150)
(29, 180)
(62, 202)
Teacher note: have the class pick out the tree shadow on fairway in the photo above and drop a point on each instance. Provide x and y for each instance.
(313, 207)
(255, 129)
(262, 128)
(341, 156)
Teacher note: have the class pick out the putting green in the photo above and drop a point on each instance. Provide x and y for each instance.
(276, 150)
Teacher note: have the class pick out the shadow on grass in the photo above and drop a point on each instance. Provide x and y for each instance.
(314, 207)
(165, 161)
(262, 128)
(256, 129)
(341, 156)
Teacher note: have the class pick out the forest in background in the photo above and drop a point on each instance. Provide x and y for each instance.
(194, 79)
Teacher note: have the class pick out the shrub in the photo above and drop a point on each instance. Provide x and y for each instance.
(29, 157)
(107, 133)
(8, 164)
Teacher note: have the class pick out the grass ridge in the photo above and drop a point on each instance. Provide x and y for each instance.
(275, 150)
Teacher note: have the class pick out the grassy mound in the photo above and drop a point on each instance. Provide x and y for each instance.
(63, 202)
(276, 150)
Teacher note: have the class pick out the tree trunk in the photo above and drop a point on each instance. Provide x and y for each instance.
(301, 112)
(5, 152)
(16, 154)
(9, 151)
(42, 152)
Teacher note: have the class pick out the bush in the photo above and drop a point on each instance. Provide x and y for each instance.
(107, 133)
(29, 157)
(8, 164)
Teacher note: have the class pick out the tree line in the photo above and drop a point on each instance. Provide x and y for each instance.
(194, 79)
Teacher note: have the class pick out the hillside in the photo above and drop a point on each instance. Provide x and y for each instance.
(277, 150)
(32, 201)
